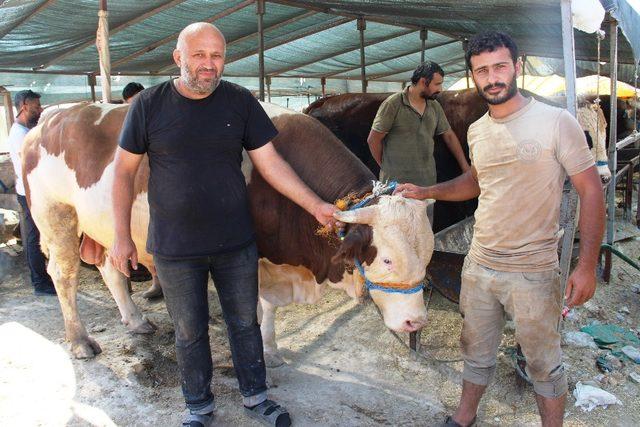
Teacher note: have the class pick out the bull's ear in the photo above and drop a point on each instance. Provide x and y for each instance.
(364, 215)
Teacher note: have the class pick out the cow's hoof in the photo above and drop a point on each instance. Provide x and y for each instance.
(273, 360)
(85, 348)
(145, 326)
(154, 291)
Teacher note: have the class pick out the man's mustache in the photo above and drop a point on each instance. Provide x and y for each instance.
(495, 85)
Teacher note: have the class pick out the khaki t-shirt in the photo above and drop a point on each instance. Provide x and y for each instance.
(407, 153)
(521, 162)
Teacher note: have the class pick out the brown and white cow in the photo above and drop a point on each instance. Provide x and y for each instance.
(68, 167)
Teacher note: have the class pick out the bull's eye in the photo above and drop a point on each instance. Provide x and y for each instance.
(386, 261)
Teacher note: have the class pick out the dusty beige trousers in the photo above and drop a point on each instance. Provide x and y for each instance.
(534, 302)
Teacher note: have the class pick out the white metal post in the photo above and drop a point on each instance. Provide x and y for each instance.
(613, 154)
(569, 197)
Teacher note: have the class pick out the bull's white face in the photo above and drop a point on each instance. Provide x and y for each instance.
(404, 241)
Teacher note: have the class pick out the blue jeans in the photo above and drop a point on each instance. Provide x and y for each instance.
(40, 279)
(184, 283)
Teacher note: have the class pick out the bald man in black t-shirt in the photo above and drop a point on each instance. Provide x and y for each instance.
(193, 130)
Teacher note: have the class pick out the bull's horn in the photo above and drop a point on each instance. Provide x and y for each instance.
(421, 202)
(364, 215)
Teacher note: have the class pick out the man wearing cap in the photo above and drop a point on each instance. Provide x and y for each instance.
(28, 106)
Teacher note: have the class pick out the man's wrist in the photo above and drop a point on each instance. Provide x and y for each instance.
(427, 193)
(588, 267)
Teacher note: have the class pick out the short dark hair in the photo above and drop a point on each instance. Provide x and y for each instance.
(489, 42)
(131, 89)
(427, 70)
(21, 97)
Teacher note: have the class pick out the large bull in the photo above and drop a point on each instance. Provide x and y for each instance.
(68, 171)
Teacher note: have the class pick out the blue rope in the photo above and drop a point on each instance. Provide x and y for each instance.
(364, 202)
(382, 288)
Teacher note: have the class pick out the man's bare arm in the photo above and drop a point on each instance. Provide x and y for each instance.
(277, 172)
(375, 145)
(126, 167)
(464, 187)
(454, 146)
(581, 285)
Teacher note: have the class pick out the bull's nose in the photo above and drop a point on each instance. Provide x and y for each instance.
(412, 325)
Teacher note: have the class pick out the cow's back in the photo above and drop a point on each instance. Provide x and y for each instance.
(85, 135)
(359, 111)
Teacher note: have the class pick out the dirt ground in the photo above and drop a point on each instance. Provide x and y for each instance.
(344, 368)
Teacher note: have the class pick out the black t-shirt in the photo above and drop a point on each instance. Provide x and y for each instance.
(197, 193)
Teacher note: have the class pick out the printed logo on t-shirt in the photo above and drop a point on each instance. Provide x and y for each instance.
(529, 150)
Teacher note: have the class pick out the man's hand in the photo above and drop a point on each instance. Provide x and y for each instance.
(411, 191)
(323, 213)
(581, 286)
(122, 251)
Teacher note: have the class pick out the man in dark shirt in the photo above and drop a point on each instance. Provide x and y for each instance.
(130, 91)
(193, 130)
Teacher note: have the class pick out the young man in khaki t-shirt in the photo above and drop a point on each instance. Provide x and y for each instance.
(520, 152)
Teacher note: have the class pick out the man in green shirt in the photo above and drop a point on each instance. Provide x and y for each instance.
(402, 135)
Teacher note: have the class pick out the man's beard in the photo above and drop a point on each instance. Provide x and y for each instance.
(33, 121)
(201, 87)
(424, 95)
(512, 90)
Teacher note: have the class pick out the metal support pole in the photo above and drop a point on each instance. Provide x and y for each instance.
(8, 108)
(423, 42)
(362, 25)
(91, 79)
(323, 83)
(569, 203)
(102, 42)
(613, 159)
(268, 82)
(524, 67)
(260, 11)
(465, 46)
(635, 103)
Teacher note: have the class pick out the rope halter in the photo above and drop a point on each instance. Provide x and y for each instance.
(380, 189)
